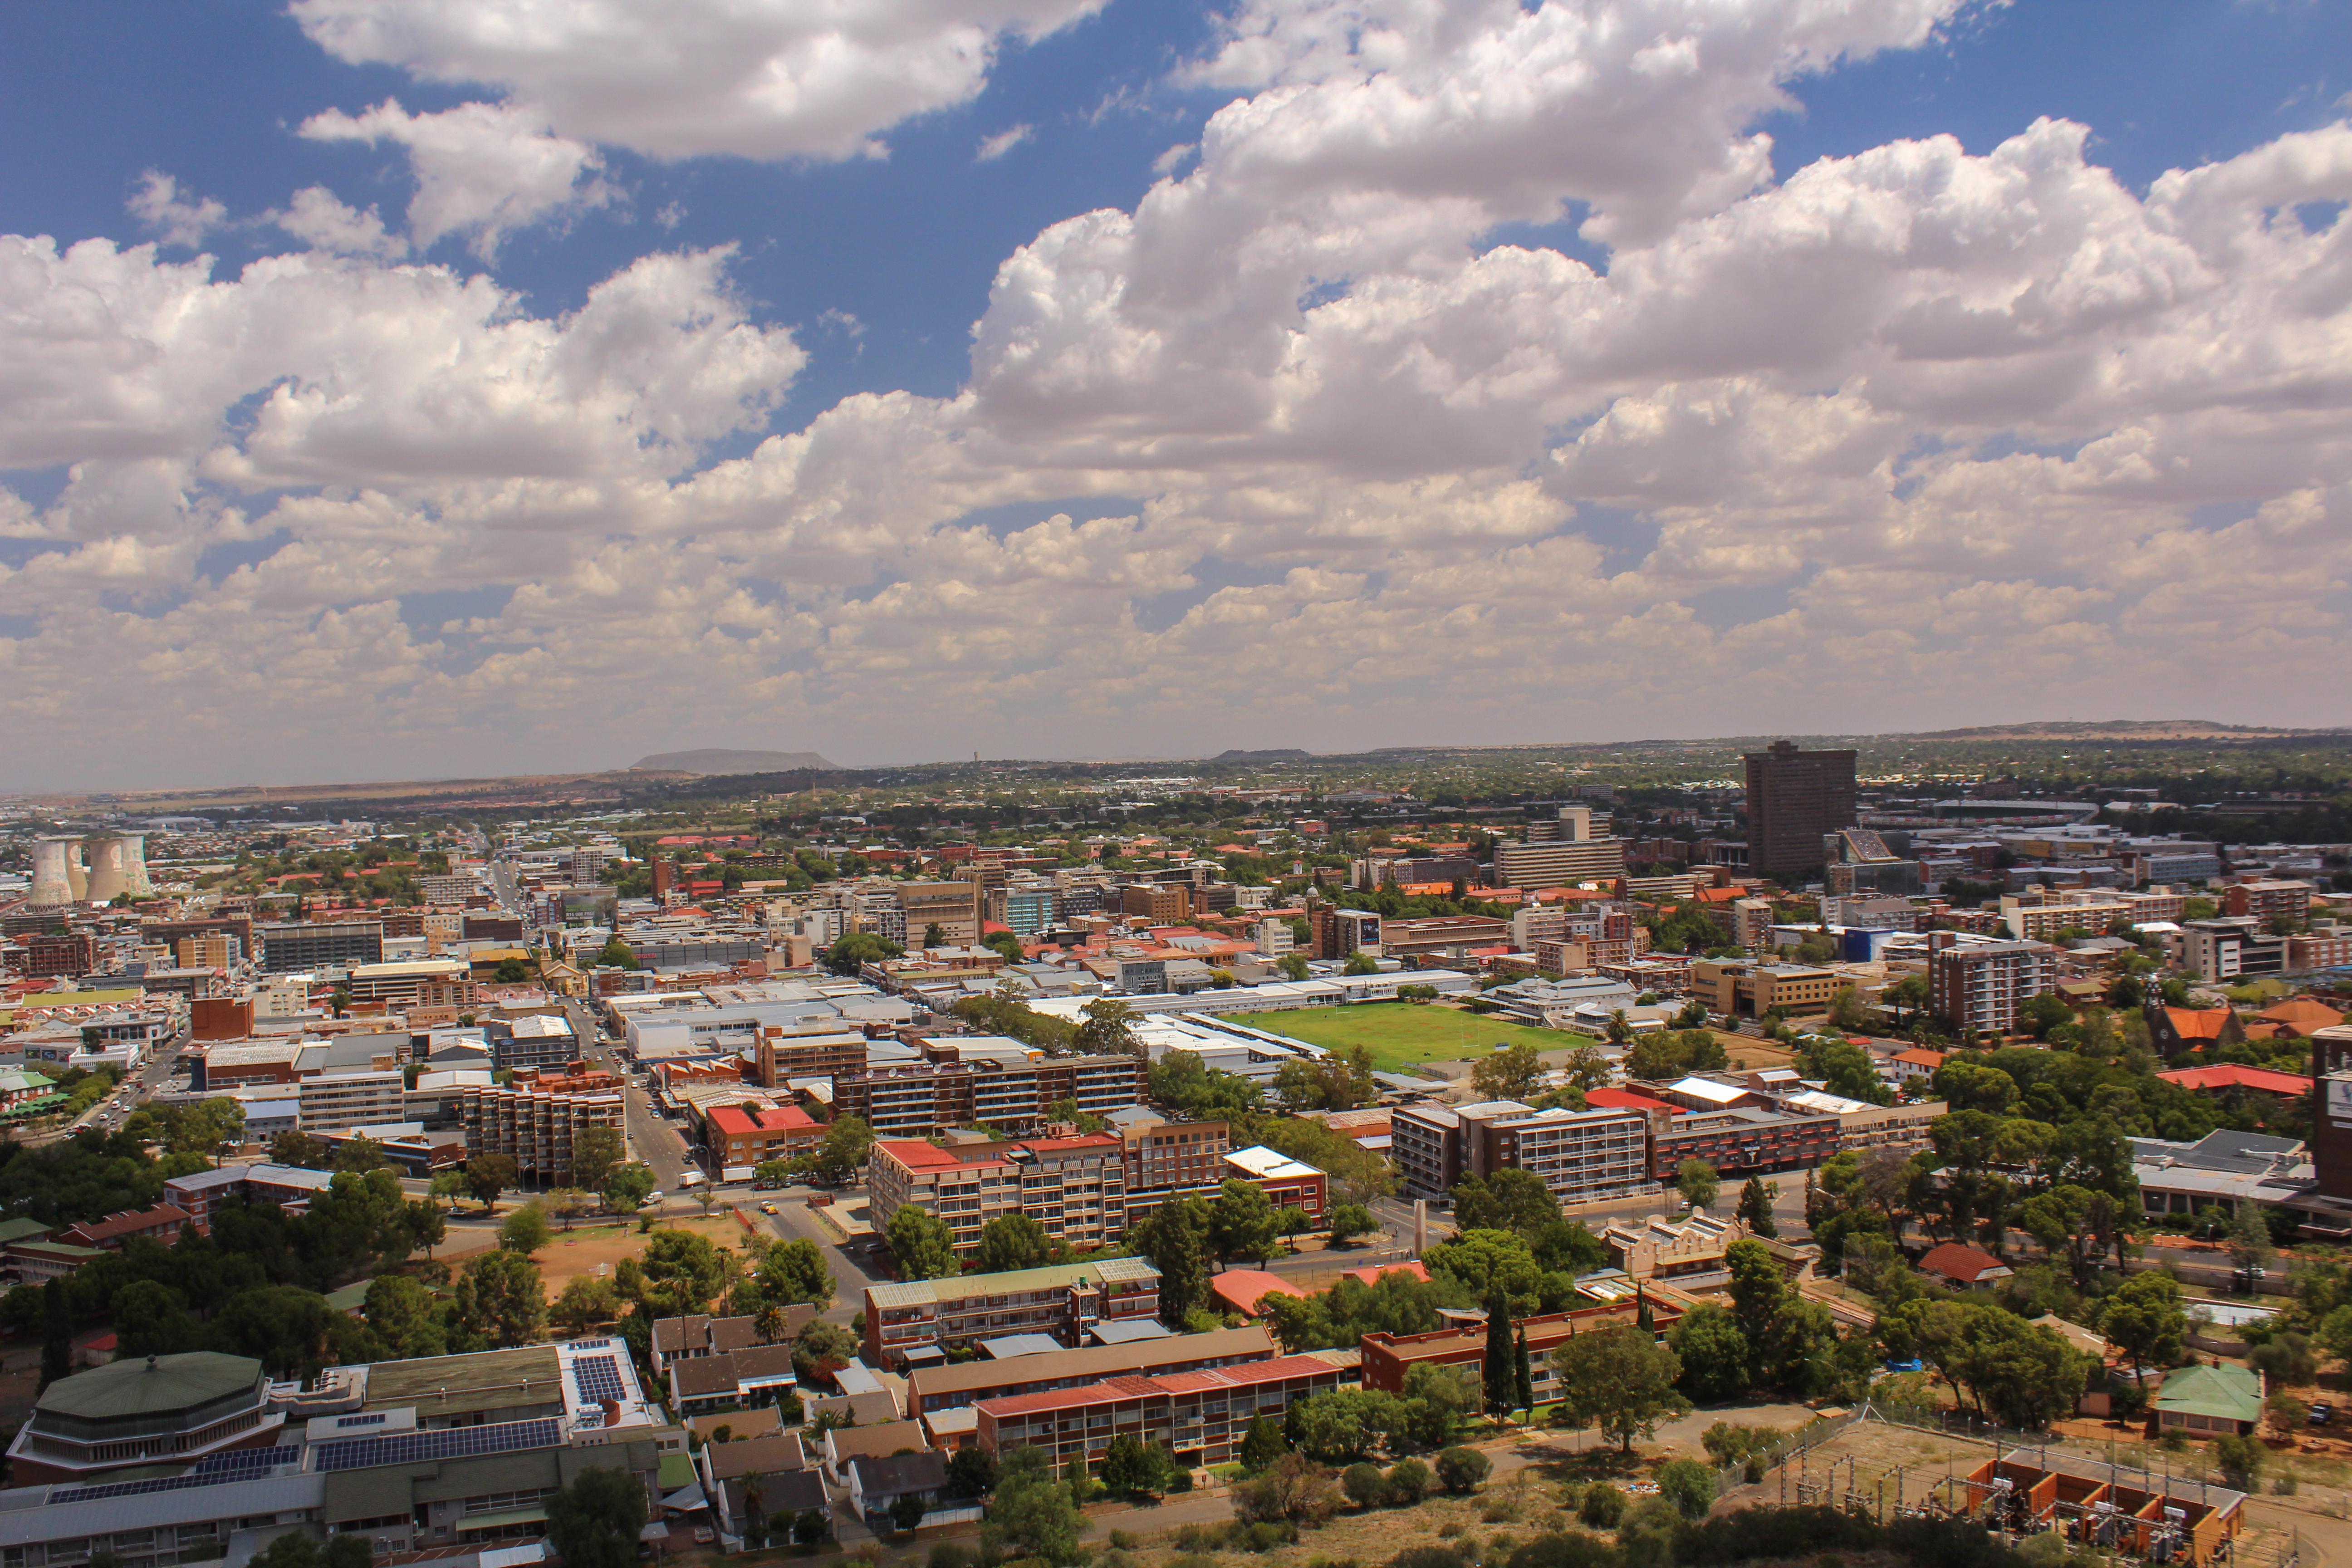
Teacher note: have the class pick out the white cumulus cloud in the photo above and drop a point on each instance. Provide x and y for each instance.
(482, 169)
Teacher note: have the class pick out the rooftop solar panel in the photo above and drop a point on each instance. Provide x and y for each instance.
(598, 1377)
(239, 1461)
(445, 1442)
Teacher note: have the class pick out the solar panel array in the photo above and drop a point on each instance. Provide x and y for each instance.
(246, 1461)
(446, 1443)
(235, 1464)
(597, 1378)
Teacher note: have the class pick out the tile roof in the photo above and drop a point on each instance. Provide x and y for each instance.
(1954, 1261)
(2232, 1074)
(1280, 1370)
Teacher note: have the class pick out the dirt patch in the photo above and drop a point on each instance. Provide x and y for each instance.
(597, 1250)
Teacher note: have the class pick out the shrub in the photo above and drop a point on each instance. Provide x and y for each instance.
(1409, 1482)
(1779, 1532)
(1427, 1557)
(1200, 1538)
(2284, 1485)
(1124, 1540)
(1267, 1534)
(1565, 1549)
(2044, 1550)
(1688, 1485)
(1602, 1506)
(1364, 1485)
(1461, 1470)
(2241, 1459)
(949, 1554)
(1191, 1560)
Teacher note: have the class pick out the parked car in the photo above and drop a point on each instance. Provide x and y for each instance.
(767, 1208)
(2322, 1413)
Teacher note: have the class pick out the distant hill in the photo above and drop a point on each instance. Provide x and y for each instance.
(2121, 730)
(717, 760)
(1290, 755)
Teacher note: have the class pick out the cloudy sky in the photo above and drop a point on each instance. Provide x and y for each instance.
(401, 388)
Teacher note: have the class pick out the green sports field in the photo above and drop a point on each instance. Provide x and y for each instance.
(1402, 1036)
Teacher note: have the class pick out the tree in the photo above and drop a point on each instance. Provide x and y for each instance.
(1132, 1466)
(1409, 1482)
(1511, 1199)
(299, 1149)
(526, 1230)
(1494, 1366)
(596, 1152)
(820, 1347)
(1619, 1378)
(1350, 1221)
(595, 1522)
(921, 1245)
(1755, 1211)
(1845, 1068)
(487, 1176)
(1174, 1237)
(852, 953)
(1696, 1181)
(502, 1298)
(616, 954)
(811, 1526)
(1364, 1484)
(1523, 1377)
(1479, 1260)
(1295, 1489)
(150, 1319)
(842, 1153)
(1460, 1471)
(627, 1188)
(681, 1272)
(2144, 1320)
(584, 1302)
(1242, 1221)
(403, 1314)
(2286, 1361)
(1015, 1241)
(1589, 1067)
(57, 1332)
(1514, 1072)
(2250, 1236)
(1108, 1029)
(2240, 1458)
(1361, 964)
(1714, 1352)
(1687, 1484)
(971, 1472)
(794, 1272)
(1262, 1443)
(1033, 1514)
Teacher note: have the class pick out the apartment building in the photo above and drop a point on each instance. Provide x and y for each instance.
(782, 1054)
(743, 1137)
(1981, 986)
(2229, 948)
(1157, 903)
(935, 1388)
(536, 1124)
(1388, 1357)
(1560, 862)
(1162, 1158)
(295, 945)
(920, 1099)
(1199, 1417)
(2040, 922)
(1743, 1138)
(1442, 936)
(1074, 1187)
(210, 950)
(1288, 1183)
(339, 1102)
(540, 1040)
(1579, 1154)
(953, 907)
(918, 1321)
(2268, 900)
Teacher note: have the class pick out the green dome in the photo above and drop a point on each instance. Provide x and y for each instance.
(154, 1386)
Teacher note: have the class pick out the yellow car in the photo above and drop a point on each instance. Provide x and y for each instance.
(767, 1208)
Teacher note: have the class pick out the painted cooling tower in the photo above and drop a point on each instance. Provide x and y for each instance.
(110, 877)
(76, 878)
(52, 888)
(134, 866)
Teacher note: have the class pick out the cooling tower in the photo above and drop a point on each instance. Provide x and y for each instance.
(134, 866)
(76, 878)
(52, 888)
(109, 876)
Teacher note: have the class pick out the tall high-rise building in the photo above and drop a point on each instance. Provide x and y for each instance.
(1795, 799)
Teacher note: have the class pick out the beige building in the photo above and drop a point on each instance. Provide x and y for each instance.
(339, 1102)
(424, 981)
(953, 907)
(1731, 986)
(534, 1127)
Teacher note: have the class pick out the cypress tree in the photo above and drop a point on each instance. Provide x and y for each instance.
(57, 1332)
(1498, 1365)
(1522, 1374)
(1641, 1311)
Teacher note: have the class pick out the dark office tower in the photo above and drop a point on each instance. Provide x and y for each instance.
(1794, 800)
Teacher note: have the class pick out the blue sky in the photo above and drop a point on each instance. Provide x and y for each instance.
(878, 269)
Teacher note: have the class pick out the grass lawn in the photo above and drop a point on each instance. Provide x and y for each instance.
(1402, 1036)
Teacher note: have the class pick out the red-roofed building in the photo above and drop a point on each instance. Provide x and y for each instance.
(1074, 1187)
(1379, 1271)
(1388, 1357)
(162, 1223)
(742, 1139)
(2231, 1075)
(1243, 1288)
(1960, 1265)
(1199, 1417)
(1626, 1100)
(2173, 1030)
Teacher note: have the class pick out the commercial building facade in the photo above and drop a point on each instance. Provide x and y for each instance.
(918, 1320)
(1982, 985)
(537, 1125)
(295, 945)
(1795, 800)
